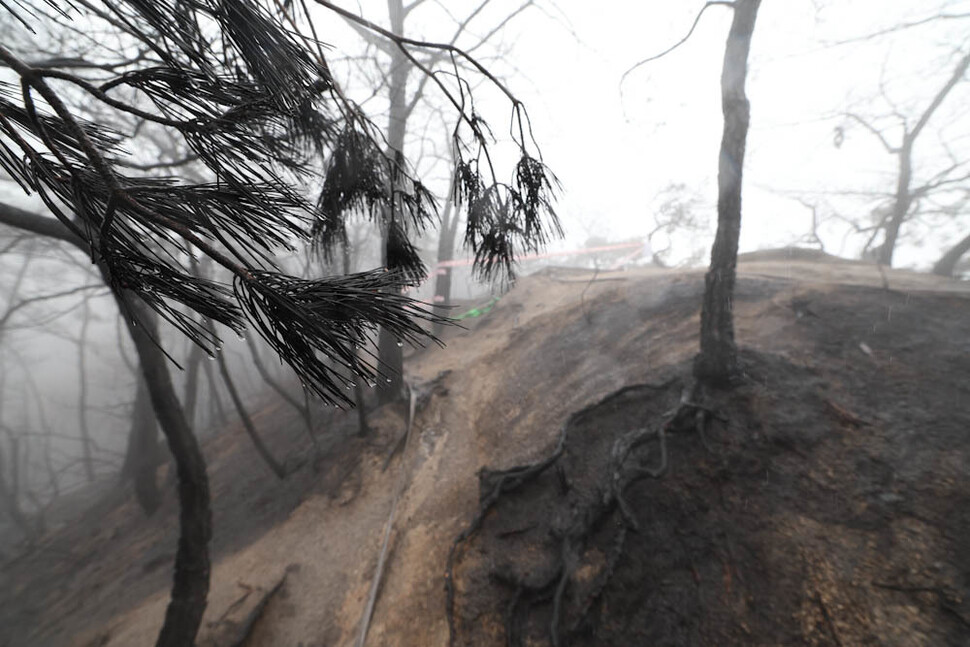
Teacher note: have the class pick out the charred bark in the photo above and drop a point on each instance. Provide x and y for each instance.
(217, 415)
(142, 458)
(190, 587)
(359, 397)
(390, 354)
(717, 362)
(191, 581)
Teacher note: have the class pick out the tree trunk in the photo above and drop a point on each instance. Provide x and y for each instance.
(904, 195)
(446, 252)
(9, 496)
(390, 354)
(142, 458)
(191, 397)
(359, 401)
(717, 363)
(191, 582)
(948, 262)
(217, 414)
(82, 414)
(258, 443)
(901, 204)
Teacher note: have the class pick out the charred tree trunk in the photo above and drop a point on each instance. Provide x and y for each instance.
(191, 582)
(82, 414)
(390, 354)
(717, 362)
(359, 401)
(142, 458)
(948, 262)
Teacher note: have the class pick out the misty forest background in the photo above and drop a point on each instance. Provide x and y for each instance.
(271, 213)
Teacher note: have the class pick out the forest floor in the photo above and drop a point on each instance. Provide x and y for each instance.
(825, 500)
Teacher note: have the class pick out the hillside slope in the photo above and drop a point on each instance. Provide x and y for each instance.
(827, 503)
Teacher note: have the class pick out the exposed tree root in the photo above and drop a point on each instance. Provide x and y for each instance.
(624, 469)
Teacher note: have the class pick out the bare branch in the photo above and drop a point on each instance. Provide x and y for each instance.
(903, 26)
(955, 77)
(683, 40)
(23, 303)
(875, 131)
(402, 41)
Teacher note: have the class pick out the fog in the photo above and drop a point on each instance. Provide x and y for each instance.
(631, 133)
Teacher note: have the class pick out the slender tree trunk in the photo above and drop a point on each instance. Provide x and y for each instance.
(901, 205)
(359, 401)
(258, 443)
(191, 397)
(391, 355)
(9, 495)
(191, 582)
(948, 262)
(717, 362)
(302, 407)
(82, 414)
(218, 415)
(904, 195)
(142, 457)
(446, 252)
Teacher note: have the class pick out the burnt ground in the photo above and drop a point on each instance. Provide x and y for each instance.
(827, 506)
(824, 502)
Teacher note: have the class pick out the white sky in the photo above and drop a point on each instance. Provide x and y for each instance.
(614, 153)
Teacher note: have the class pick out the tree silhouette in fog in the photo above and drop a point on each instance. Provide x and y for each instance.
(248, 89)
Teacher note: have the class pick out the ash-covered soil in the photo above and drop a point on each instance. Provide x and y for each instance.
(825, 502)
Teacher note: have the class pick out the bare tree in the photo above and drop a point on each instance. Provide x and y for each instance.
(256, 104)
(906, 197)
(395, 67)
(717, 362)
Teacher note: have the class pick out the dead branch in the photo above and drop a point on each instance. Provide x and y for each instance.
(680, 42)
